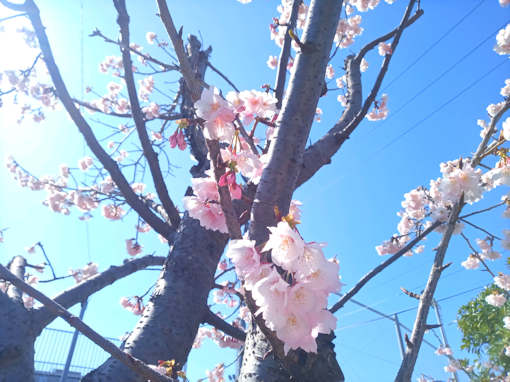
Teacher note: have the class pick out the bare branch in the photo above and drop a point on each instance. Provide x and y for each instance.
(166, 67)
(80, 292)
(193, 83)
(283, 60)
(14, 6)
(370, 275)
(477, 255)
(133, 363)
(420, 324)
(214, 69)
(286, 155)
(152, 158)
(220, 324)
(110, 165)
(321, 152)
(483, 210)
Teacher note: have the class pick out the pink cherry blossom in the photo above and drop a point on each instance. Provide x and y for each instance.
(112, 212)
(245, 257)
(286, 245)
(133, 248)
(85, 163)
(177, 139)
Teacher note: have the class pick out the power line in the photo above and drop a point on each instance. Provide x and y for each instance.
(438, 78)
(400, 136)
(434, 44)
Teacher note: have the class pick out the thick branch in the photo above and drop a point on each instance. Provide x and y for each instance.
(220, 324)
(148, 151)
(286, 154)
(365, 279)
(109, 164)
(14, 6)
(80, 292)
(409, 361)
(321, 152)
(136, 365)
(186, 69)
(420, 324)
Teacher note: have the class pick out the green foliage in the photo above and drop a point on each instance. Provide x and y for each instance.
(484, 333)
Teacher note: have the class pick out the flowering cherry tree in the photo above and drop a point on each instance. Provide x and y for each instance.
(251, 154)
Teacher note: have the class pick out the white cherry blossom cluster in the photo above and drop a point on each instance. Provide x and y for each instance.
(291, 292)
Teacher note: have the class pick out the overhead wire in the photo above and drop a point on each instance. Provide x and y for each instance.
(439, 108)
(434, 44)
(440, 76)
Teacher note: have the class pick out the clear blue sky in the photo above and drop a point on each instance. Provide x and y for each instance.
(350, 204)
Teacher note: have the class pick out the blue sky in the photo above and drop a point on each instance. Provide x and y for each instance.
(350, 204)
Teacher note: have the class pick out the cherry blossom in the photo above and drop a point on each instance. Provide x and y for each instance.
(330, 72)
(133, 248)
(380, 110)
(506, 321)
(217, 115)
(112, 212)
(85, 163)
(495, 299)
(272, 62)
(384, 49)
(503, 41)
(472, 262)
(150, 37)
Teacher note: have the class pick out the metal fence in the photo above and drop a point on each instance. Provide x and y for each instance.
(52, 347)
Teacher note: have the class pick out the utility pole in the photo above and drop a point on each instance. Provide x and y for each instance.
(399, 336)
(63, 377)
(443, 333)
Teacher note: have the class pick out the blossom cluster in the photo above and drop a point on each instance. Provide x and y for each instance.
(134, 304)
(84, 273)
(221, 339)
(292, 290)
(220, 115)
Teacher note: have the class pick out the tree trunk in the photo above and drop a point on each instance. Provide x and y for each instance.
(170, 321)
(16, 335)
(16, 343)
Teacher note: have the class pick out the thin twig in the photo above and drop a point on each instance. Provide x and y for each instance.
(110, 165)
(223, 76)
(150, 155)
(346, 297)
(479, 228)
(476, 254)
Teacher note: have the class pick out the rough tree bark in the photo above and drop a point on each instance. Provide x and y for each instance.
(20, 327)
(277, 186)
(178, 305)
